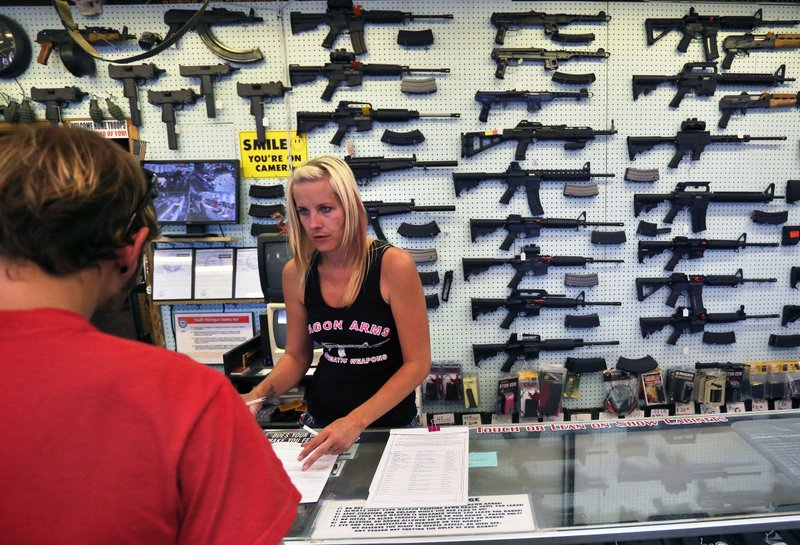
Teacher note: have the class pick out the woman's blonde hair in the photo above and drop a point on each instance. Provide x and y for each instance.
(355, 243)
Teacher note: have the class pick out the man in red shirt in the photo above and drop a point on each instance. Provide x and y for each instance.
(105, 440)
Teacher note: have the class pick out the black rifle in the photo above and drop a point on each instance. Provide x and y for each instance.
(525, 133)
(177, 18)
(705, 27)
(528, 347)
(207, 73)
(345, 69)
(75, 59)
(358, 116)
(530, 180)
(744, 43)
(529, 303)
(743, 102)
(519, 227)
(257, 92)
(550, 21)
(367, 168)
(377, 209)
(697, 201)
(692, 285)
(131, 75)
(342, 15)
(529, 261)
(503, 55)
(55, 99)
(693, 248)
(702, 78)
(694, 321)
(693, 137)
(532, 99)
(169, 102)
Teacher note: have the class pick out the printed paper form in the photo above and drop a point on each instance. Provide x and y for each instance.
(352, 520)
(310, 482)
(421, 468)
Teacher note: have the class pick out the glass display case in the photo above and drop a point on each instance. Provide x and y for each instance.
(605, 480)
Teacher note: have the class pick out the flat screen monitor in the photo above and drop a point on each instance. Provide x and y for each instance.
(276, 326)
(273, 253)
(196, 193)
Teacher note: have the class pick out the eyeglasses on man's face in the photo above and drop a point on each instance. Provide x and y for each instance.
(149, 195)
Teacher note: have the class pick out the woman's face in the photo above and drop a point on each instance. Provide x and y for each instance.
(321, 214)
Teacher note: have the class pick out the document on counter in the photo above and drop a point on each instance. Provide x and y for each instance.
(421, 468)
(310, 482)
(351, 520)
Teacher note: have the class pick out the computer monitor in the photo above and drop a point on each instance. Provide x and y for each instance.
(276, 331)
(273, 253)
(196, 193)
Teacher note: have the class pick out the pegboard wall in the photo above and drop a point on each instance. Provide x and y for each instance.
(464, 45)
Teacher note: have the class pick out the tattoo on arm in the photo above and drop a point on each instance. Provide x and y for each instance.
(271, 394)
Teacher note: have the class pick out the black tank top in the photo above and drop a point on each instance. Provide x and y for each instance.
(361, 349)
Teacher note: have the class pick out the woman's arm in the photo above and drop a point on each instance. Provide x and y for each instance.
(402, 289)
(296, 360)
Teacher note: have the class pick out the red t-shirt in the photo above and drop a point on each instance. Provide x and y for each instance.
(105, 440)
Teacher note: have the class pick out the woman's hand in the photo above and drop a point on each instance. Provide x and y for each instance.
(334, 439)
(253, 401)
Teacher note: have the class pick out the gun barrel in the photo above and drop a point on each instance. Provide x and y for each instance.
(441, 208)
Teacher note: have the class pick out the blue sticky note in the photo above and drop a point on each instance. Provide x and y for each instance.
(483, 459)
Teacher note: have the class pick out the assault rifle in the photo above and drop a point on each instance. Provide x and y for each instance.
(697, 201)
(177, 18)
(743, 102)
(694, 321)
(519, 227)
(367, 168)
(343, 15)
(550, 21)
(131, 75)
(357, 115)
(169, 102)
(705, 27)
(345, 69)
(503, 55)
(744, 43)
(692, 285)
(532, 99)
(529, 261)
(517, 178)
(75, 59)
(702, 78)
(528, 347)
(55, 99)
(377, 209)
(693, 137)
(693, 248)
(530, 303)
(472, 143)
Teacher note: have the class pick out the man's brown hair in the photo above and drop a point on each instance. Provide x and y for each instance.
(67, 196)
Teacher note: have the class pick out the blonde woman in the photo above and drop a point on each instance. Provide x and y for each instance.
(362, 300)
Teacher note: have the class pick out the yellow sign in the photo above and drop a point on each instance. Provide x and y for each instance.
(271, 158)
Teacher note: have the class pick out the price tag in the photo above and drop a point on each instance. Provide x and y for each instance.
(580, 416)
(735, 408)
(501, 419)
(471, 420)
(684, 408)
(444, 419)
(783, 404)
(707, 408)
(760, 405)
(659, 413)
(637, 413)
